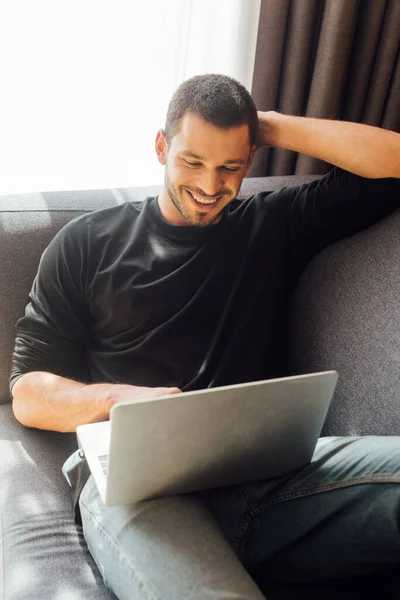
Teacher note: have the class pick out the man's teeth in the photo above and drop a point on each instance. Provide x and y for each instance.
(202, 201)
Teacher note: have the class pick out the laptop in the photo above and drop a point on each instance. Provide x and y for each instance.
(207, 438)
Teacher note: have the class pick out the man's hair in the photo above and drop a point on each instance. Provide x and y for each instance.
(218, 99)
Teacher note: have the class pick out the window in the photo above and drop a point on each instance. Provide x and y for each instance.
(86, 83)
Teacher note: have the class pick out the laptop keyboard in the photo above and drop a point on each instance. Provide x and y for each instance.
(103, 459)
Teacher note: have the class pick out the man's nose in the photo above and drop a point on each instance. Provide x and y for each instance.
(211, 182)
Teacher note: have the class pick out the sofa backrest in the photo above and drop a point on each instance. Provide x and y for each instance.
(346, 316)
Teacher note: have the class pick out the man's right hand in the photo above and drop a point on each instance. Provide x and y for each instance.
(121, 393)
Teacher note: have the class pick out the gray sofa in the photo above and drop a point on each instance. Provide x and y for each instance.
(345, 316)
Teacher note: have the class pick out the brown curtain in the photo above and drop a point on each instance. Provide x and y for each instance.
(331, 59)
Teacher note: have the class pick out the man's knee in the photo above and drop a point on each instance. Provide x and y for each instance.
(169, 547)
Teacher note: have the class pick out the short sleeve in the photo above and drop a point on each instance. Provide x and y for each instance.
(53, 334)
(336, 206)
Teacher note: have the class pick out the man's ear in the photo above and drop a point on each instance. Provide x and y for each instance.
(251, 157)
(161, 147)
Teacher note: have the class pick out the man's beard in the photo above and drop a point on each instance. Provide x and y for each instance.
(200, 221)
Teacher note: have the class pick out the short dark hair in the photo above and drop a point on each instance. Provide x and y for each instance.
(218, 99)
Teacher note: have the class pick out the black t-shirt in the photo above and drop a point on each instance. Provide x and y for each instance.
(122, 296)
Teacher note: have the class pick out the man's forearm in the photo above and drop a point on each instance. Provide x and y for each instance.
(47, 401)
(362, 149)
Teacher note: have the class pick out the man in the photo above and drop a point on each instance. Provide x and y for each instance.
(190, 290)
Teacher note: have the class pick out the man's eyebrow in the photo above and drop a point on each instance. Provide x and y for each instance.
(236, 161)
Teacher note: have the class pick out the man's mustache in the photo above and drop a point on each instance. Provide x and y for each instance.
(203, 195)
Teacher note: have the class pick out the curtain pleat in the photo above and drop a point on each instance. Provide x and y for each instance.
(331, 63)
(333, 59)
(391, 119)
(295, 73)
(385, 62)
(367, 35)
(269, 57)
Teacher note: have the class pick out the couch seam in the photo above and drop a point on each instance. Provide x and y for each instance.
(240, 534)
(110, 540)
(326, 488)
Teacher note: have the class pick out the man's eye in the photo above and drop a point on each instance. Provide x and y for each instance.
(197, 164)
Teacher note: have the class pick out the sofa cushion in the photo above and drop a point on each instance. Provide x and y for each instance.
(44, 552)
(346, 316)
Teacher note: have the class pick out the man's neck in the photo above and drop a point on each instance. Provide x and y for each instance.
(168, 210)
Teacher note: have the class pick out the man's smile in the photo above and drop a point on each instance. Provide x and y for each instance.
(205, 203)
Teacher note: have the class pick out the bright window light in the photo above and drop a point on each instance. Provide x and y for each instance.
(86, 83)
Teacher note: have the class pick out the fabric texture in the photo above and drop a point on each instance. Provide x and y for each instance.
(44, 552)
(337, 59)
(163, 549)
(347, 308)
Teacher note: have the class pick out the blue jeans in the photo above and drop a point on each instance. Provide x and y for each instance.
(338, 516)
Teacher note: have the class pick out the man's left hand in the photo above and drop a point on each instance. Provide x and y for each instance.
(265, 131)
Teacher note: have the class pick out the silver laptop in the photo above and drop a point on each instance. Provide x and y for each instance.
(205, 439)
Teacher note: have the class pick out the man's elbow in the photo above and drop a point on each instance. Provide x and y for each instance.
(20, 412)
(19, 401)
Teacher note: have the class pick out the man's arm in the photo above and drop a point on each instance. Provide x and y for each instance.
(368, 151)
(49, 352)
(47, 401)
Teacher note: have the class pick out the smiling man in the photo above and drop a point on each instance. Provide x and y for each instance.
(201, 178)
(190, 290)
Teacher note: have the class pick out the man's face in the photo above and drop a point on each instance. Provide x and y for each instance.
(205, 166)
